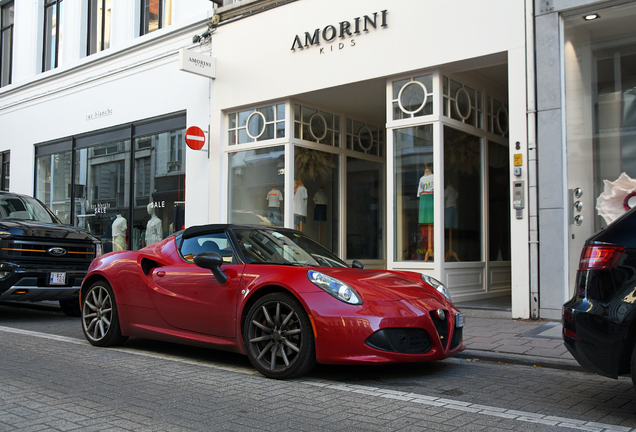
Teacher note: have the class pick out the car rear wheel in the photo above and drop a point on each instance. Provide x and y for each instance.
(100, 321)
(71, 307)
(279, 338)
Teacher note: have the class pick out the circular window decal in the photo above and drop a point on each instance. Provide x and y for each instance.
(318, 126)
(502, 120)
(462, 103)
(365, 136)
(255, 125)
(412, 97)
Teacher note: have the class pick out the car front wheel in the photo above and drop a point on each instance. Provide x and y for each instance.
(100, 321)
(279, 338)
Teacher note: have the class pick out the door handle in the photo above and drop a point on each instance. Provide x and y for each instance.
(161, 273)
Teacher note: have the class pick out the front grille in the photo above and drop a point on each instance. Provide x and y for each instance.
(35, 253)
(441, 325)
(457, 337)
(400, 340)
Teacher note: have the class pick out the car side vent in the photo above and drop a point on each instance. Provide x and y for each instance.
(457, 337)
(147, 265)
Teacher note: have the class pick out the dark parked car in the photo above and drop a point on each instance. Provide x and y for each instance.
(599, 326)
(41, 258)
(270, 293)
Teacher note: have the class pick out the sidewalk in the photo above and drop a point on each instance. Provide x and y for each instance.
(537, 343)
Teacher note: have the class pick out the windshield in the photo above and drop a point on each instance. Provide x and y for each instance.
(25, 208)
(270, 246)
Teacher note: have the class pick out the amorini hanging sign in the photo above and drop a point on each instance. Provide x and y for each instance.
(197, 63)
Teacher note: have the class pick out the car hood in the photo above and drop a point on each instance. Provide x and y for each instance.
(383, 284)
(41, 229)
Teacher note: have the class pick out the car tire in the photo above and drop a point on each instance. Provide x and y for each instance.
(100, 320)
(279, 338)
(71, 307)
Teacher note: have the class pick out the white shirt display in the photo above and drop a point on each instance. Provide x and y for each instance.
(300, 201)
(274, 197)
(320, 198)
(426, 184)
(450, 196)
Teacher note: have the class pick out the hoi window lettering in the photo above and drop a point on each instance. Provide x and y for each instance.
(6, 43)
(53, 13)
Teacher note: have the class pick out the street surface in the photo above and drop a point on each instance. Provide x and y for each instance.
(52, 379)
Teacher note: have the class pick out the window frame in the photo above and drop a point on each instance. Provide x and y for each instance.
(4, 29)
(143, 30)
(58, 6)
(89, 28)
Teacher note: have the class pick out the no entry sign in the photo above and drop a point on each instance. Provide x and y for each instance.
(195, 138)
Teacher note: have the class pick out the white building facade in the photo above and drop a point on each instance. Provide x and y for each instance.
(412, 135)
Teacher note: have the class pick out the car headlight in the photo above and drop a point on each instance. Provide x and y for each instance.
(437, 285)
(6, 269)
(333, 286)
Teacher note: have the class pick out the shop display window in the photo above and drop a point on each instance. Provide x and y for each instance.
(316, 195)
(463, 196)
(414, 193)
(256, 186)
(53, 183)
(316, 126)
(102, 191)
(159, 205)
(365, 216)
(498, 202)
(412, 97)
(256, 125)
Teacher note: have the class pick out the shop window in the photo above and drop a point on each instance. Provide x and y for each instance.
(463, 196)
(99, 15)
(6, 43)
(414, 193)
(316, 195)
(54, 174)
(497, 117)
(498, 202)
(53, 12)
(412, 97)
(365, 221)
(365, 138)
(316, 126)
(256, 186)
(159, 204)
(462, 103)
(256, 125)
(6, 164)
(155, 14)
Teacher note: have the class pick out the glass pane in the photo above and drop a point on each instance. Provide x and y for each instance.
(268, 112)
(53, 184)
(316, 196)
(365, 224)
(159, 177)
(498, 203)
(414, 191)
(256, 182)
(462, 175)
(166, 10)
(50, 36)
(7, 41)
(102, 193)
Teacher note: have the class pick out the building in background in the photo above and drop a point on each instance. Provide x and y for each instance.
(441, 137)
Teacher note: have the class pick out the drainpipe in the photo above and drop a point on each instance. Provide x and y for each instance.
(531, 125)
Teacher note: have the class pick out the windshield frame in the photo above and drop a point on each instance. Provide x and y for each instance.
(282, 246)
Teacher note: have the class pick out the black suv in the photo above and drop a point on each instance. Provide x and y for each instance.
(599, 322)
(41, 258)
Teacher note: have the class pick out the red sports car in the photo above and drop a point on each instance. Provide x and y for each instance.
(272, 294)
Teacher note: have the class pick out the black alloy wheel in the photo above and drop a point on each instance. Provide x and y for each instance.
(279, 338)
(100, 321)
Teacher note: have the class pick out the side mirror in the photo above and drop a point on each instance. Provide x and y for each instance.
(357, 264)
(212, 261)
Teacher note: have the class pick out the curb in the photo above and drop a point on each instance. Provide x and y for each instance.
(546, 362)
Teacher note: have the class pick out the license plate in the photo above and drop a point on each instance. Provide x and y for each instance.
(460, 320)
(57, 279)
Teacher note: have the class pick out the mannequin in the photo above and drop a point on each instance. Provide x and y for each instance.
(450, 218)
(426, 218)
(120, 226)
(274, 197)
(300, 205)
(154, 228)
(320, 210)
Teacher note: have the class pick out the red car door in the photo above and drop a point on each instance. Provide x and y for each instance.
(189, 298)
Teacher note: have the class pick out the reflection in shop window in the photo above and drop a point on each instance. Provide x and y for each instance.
(256, 182)
(364, 215)
(316, 195)
(414, 193)
(53, 183)
(462, 196)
